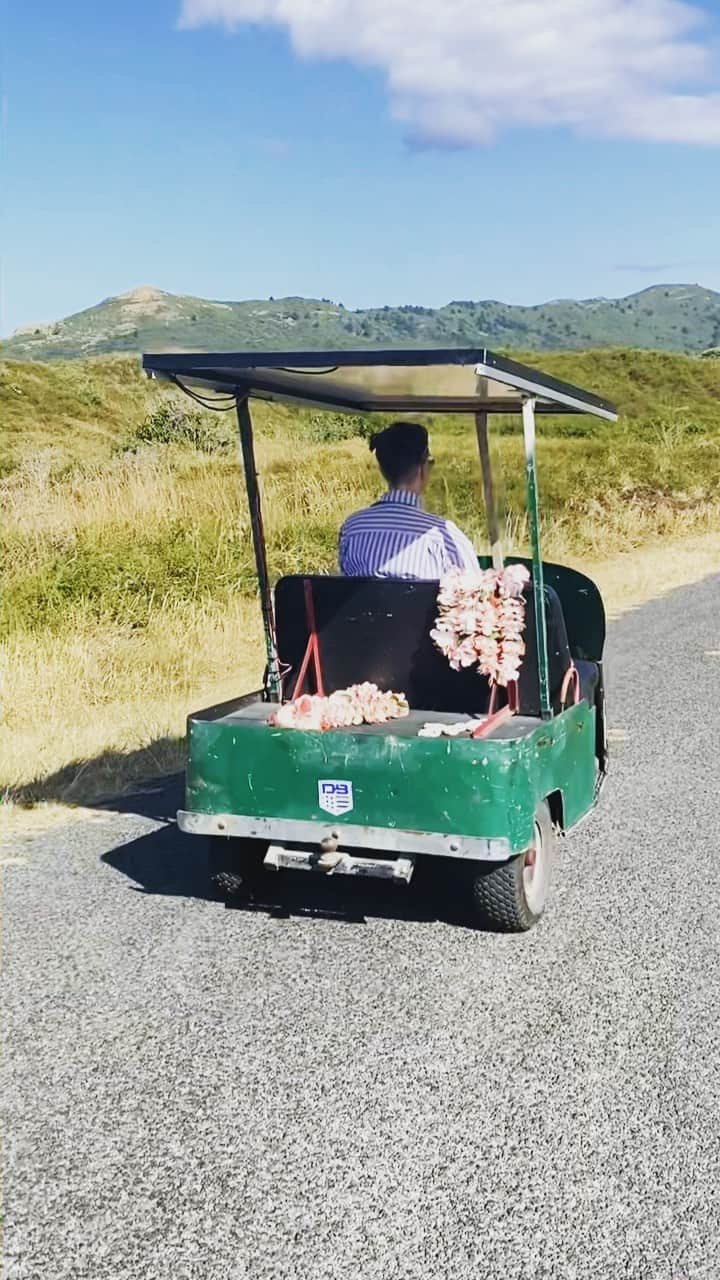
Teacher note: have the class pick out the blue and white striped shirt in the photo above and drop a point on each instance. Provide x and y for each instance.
(395, 538)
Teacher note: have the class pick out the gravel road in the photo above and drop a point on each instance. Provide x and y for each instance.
(350, 1087)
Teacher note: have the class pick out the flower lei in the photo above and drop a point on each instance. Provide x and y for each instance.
(360, 704)
(481, 621)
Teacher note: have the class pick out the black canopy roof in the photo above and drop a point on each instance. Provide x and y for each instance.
(394, 381)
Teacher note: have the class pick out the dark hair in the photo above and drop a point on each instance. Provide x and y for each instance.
(400, 449)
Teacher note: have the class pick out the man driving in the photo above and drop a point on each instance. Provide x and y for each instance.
(395, 537)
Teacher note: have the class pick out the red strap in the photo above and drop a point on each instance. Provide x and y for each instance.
(572, 677)
(495, 718)
(513, 697)
(312, 649)
(493, 722)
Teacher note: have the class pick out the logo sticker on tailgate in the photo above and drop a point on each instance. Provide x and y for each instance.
(335, 797)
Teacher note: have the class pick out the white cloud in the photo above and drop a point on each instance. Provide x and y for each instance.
(465, 71)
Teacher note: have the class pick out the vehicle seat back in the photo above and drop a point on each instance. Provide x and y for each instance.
(378, 629)
(581, 602)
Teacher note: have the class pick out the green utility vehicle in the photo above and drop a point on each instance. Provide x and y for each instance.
(376, 800)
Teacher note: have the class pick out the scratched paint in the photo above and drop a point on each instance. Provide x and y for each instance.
(408, 784)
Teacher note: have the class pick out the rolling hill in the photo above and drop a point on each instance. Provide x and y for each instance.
(663, 317)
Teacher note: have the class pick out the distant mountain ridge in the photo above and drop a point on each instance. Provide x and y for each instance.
(670, 317)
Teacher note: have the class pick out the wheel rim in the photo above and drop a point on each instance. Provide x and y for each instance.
(537, 867)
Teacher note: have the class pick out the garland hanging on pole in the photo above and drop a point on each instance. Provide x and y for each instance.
(481, 621)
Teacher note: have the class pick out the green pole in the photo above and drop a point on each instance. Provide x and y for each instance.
(491, 512)
(273, 684)
(528, 413)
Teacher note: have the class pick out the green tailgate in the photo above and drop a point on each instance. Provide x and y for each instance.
(441, 785)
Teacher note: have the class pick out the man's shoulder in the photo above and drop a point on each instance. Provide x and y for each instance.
(354, 517)
(443, 525)
(453, 528)
(380, 512)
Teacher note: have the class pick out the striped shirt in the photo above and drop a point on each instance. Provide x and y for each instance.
(395, 538)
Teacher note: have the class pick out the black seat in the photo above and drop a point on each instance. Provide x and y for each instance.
(378, 629)
(589, 673)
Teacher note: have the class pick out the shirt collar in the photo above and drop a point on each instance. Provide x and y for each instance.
(403, 496)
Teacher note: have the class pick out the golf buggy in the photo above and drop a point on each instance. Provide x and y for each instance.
(384, 799)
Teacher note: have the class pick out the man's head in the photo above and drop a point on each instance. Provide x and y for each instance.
(403, 454)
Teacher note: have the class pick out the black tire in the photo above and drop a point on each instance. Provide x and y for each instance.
(503, 897)
(235, 865)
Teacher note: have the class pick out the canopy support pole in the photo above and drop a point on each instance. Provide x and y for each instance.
(528, 414)
(491, 515)
(273, 686)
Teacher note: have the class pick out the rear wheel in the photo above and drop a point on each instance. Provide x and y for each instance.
(512, 897)
(235, 865)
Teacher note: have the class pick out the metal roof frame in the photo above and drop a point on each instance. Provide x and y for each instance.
(306, 378)
(491, 384)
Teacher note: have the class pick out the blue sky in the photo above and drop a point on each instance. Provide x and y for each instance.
(223, 163)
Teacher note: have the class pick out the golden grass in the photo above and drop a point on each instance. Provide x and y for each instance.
(97, 700)
(95, 714)
(113, 693)
(631, 579)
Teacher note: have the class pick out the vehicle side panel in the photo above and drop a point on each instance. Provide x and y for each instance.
(454, 786)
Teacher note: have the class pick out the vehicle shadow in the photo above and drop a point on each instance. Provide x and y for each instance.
(161, 861)
(109, 779)
(351, 900)
(157, 799)
(168, 863)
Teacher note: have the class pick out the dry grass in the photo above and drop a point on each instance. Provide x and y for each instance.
(629, 580)
(127, 582)
(88, 712)
(93, 714)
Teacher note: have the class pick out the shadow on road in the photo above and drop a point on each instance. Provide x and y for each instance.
(288, 894)
(162, 861)
(168, 863)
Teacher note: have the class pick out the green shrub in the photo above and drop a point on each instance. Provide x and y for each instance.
(325, 427)
(172, 423)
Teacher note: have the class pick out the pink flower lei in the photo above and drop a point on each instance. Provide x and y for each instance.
(481, 621)
(360, 704)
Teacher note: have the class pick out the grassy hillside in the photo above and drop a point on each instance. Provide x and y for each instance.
(128, 590)
(79, 412)
(664, 317)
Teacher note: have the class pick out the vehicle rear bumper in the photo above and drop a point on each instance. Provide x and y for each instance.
(385, 839)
